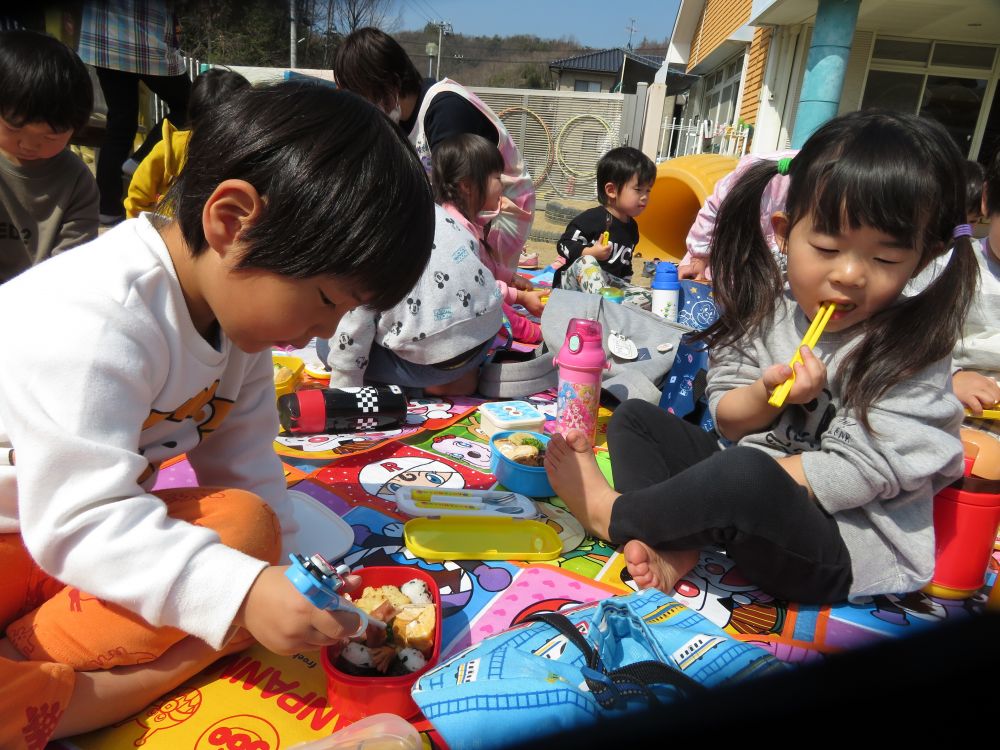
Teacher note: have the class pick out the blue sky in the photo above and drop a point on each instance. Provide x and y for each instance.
(594, 23)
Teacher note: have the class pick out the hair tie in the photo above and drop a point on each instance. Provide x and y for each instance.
(962, 230)
(784, 165)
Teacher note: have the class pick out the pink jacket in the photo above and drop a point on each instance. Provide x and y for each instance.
(699, 238)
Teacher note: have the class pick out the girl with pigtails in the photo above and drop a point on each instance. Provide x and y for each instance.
(830, 494)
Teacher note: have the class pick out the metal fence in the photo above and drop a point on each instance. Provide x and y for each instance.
(561, 135)
(679, 137)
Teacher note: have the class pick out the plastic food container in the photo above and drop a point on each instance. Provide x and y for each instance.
(527, 480)
(496, 416)
(357, 697)
(288, 382)
(482, 538)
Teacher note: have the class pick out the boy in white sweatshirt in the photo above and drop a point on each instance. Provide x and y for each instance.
(112, 594)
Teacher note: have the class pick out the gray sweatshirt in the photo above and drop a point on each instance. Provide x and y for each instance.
(879, 486)
(46, 206)
(454, 307)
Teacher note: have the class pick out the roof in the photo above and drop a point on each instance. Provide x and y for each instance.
(605, 61)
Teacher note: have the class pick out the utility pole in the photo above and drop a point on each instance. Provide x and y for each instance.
(294, 35)
(443, 28)
(631, 29)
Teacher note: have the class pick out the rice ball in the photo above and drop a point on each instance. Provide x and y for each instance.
(416, 591)
(411, 659)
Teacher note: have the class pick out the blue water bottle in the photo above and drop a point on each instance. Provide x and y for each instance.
(666, 291)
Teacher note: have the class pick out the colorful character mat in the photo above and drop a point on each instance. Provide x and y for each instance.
(262, 701)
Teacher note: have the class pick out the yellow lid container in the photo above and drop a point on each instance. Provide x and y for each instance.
(478, 538)
(285, 382)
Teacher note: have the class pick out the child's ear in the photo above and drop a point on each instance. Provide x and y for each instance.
(232, 206)
(781, 226)
(611, 190)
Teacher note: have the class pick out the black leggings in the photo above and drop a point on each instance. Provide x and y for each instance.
(680, 491)
(121, 92)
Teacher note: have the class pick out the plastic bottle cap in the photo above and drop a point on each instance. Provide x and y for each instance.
(665, 276)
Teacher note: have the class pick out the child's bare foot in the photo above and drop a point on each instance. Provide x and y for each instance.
(657, 569)
(576, 478)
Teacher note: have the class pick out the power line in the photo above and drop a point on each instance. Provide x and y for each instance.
(416, 9)
(428, 8)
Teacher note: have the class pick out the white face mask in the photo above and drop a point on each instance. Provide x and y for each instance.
(485, 217)
(396, 113)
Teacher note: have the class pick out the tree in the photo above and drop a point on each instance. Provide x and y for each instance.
(351, 15)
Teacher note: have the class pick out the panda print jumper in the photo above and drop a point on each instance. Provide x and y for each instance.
(454, 307)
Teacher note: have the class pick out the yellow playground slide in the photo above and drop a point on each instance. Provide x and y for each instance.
(680, 190)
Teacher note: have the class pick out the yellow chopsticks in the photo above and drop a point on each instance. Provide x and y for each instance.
(987, 414)
(812, 336)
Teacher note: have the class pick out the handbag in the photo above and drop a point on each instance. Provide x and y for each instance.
(567, 670)
(655, 339)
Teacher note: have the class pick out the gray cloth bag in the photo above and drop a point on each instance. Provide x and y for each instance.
(638, 378)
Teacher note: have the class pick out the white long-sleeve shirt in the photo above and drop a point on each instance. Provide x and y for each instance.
(103, 377)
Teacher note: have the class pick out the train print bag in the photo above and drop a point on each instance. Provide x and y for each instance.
(563, 671)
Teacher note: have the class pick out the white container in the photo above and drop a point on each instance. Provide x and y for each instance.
(432, 501)
(666, 291)
(497, 416)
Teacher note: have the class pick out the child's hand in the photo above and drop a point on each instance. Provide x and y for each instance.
(285, 622)
(532, 301)
(508, 207)
(599, 250)
(975, 391)
(693, 269)
(810, 378)
(520, 283)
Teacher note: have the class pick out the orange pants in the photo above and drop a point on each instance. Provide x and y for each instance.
(61, 630)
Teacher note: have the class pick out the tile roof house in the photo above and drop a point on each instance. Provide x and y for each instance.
(611, 70)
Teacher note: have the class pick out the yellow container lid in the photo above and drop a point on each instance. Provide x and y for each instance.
(478, 538)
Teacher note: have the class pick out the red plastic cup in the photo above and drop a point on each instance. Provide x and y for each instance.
(965, 529)
(357, 697)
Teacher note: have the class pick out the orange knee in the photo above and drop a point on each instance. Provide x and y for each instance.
(242, 519)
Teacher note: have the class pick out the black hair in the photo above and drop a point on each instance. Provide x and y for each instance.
(974, 176)
(343, 191)
(43, 80)
(465, 157)
(371, 63)
(210, 88)
(991, 185)
(898, 174)
(619, 165)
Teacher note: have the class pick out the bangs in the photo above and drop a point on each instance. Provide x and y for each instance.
(877, 179)
(889, 198)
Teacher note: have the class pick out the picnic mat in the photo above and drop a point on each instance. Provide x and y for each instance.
(257, 700)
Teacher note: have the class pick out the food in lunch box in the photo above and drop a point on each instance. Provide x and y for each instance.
(281, 373)
(403, 647)
(522, 448)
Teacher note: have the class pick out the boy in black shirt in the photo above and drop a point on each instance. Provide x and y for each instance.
(624, 179)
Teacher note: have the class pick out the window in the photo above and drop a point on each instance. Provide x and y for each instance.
(721, 92)
(590, 86)
(929, 79)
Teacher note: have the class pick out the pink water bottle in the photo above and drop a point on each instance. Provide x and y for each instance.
(581, 361)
